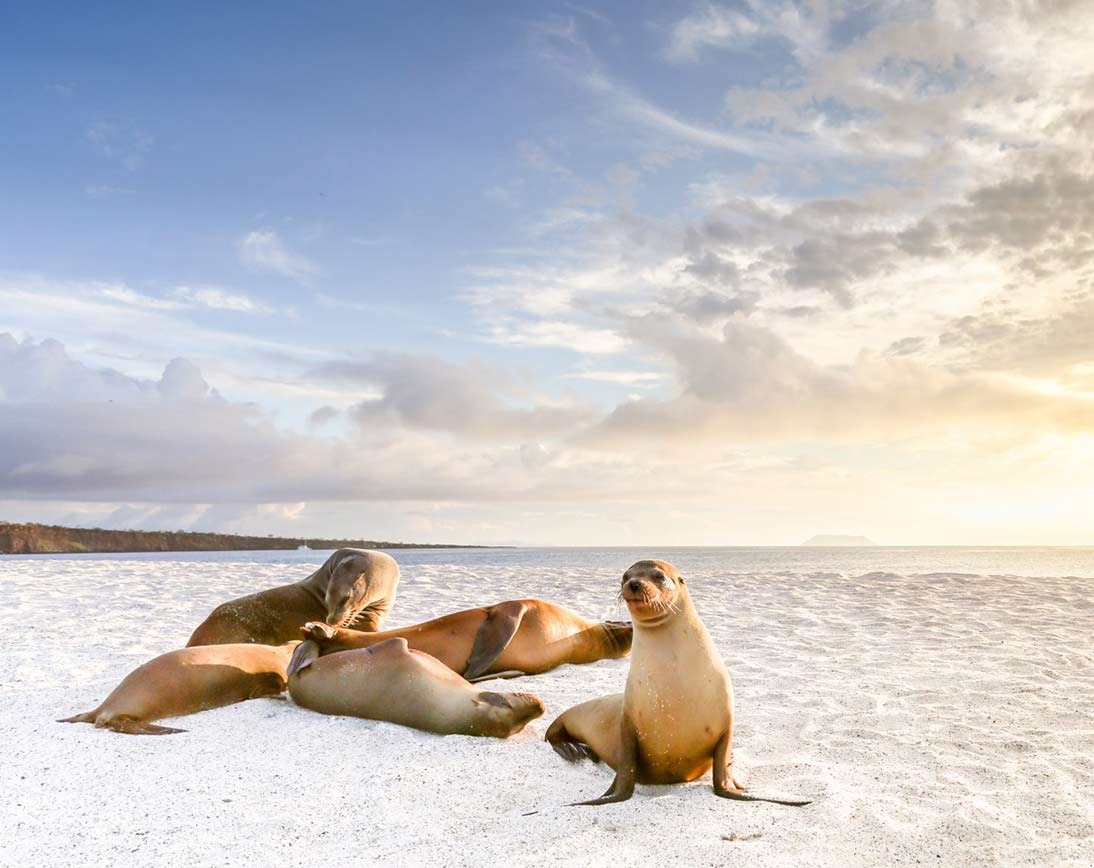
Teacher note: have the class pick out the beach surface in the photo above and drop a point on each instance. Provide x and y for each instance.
(935, 717)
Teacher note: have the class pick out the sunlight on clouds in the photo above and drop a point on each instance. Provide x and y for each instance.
(774, 260)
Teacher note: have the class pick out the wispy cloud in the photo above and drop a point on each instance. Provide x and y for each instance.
(712, 25)
(263, 249)
(218, 298)
(105, 191)
(120, 142)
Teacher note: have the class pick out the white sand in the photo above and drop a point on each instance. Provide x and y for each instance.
(936, 720)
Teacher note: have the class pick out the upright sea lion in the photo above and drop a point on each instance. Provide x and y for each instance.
(675, 718)
(354, 586)
(188, 680)
(517, 637)
(391, 682)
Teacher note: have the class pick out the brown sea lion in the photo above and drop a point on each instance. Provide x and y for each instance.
(675, 718)
(354, 586)
(188, 680)
(517, 637)
(391, 682)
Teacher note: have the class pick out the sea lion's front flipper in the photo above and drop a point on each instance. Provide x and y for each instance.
(727, 787)
(319, 631)
(139, 727)
(305, 654)
(494, 634)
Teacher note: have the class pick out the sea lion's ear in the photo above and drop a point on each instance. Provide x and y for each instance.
(681, 580)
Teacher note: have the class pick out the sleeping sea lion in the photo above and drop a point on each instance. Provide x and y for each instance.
(517, 637)
(188, 680)
(391, 682)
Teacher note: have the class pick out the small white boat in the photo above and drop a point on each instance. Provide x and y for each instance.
(303, 547)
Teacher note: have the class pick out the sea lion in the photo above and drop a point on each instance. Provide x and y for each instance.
(675, 718)
(188, 680)
(354, 586)
(517, 637)
(390, 682)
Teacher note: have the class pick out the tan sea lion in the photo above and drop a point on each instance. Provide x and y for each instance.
(675, 718)
(517, 637)
(354, 586)
(391, 682)
(188, 680)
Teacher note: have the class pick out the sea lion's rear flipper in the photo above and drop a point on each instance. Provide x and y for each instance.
(305, 654)
(494, 634)
(566, 745)
(139, 727)
(738, 796)
(86, 717)
(508, 673)
(626, 773)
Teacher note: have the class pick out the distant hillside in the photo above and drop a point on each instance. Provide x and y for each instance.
(835, 539)
(30, 539)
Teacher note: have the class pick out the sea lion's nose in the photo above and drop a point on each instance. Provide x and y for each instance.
(634, 585)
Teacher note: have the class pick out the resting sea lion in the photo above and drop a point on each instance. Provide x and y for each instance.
(518, 637)
(391, 682)
(675, 718)
(354, 586)
(188, 680)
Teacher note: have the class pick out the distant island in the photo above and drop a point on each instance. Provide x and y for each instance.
(835, 539)
(40, 539)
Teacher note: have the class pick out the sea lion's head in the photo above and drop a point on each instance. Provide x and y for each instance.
(350, 587)
(505, 714)
(652, 591)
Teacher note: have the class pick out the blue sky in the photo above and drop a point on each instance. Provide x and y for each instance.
(491, 272)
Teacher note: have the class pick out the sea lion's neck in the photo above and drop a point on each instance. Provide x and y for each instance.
(315, 585)
(677, 623)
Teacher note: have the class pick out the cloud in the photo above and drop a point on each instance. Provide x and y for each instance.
(119, 142)
(218, 298)
(464, 400)
(565, 51)
(68, 432)
(105, 191)
(748, 385)
(711, 26)
(263, 249)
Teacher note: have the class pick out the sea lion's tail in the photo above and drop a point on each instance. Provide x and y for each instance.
(305, 654)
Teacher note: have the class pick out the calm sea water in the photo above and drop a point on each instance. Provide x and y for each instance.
(909, 560)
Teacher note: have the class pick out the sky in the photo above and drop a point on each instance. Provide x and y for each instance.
(634, 273)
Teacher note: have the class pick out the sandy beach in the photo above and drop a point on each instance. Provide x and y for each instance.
(934, 718)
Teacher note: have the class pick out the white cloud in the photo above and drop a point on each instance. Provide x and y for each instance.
(124, 295)
(263, 249)
(627, 378)
(712, 25)
(218, 298)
